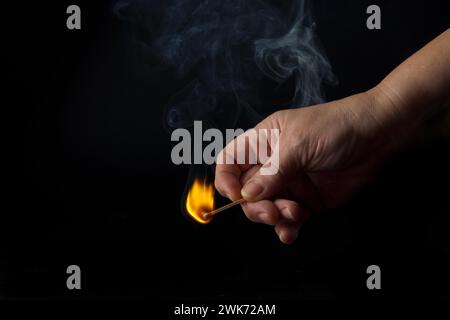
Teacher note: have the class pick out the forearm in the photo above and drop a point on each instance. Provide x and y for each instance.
(416, 91)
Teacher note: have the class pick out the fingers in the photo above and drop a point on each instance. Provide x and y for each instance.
(227, 181)
(291, 211)
(287, 231)
(248, 152)
(287, 216)
(229, 169)
(272, 212)
(247, 175)
(260, 186)
(270, 180)
(266, 174)
(263, 211)
(294, 216)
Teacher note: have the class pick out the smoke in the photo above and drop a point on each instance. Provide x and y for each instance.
(229, 48)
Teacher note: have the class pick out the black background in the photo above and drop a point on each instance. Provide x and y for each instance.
(89, 180)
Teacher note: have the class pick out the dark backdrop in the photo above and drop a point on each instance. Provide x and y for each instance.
(89, 181)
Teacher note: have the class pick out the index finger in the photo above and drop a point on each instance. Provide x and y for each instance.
(227, 181)
(229, 171)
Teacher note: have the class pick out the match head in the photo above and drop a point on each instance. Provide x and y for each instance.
(207, 216)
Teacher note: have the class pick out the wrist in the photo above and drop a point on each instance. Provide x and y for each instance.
(401, 121)
(386, 106)
(392, 125)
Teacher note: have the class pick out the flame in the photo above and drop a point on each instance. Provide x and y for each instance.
(200, 199)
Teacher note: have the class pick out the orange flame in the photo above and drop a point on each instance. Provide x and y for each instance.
(200, 199)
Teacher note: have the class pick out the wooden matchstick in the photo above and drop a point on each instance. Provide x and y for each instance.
(211, 214)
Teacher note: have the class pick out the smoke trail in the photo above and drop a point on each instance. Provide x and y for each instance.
(230, 47)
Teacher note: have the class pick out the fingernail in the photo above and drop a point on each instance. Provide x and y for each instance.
(251, 190)
(288, 213)
(264, 218)
(288, 237)
(277, 231)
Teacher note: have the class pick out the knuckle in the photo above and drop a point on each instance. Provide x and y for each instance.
(218, 184)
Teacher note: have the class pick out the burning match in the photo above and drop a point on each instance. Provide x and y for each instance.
(211, 214)
(200, 202)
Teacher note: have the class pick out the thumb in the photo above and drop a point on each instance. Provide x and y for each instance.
(280, 175)
(262, 187)
(269, 180)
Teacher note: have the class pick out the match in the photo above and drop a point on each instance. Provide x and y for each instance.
(211, 214)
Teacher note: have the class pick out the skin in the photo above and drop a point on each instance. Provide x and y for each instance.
(329, 151)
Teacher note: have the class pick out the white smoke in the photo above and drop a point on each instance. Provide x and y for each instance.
(229, 47)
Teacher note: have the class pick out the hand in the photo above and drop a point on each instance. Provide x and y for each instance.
(326, 152)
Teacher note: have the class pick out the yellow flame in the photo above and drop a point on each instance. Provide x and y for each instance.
(200, 199)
